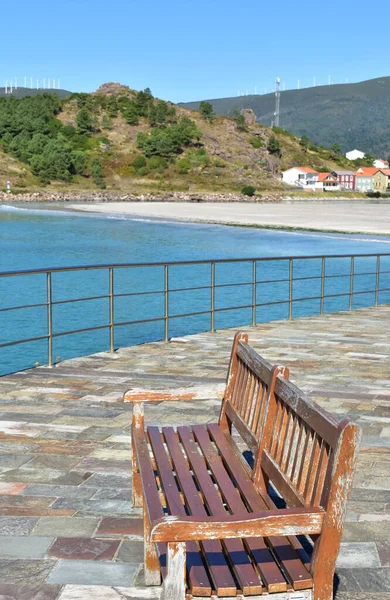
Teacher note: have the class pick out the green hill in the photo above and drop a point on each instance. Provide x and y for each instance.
(353, 115)
(120, 139)
(21, 92)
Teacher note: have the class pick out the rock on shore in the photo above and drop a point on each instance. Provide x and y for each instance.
(107, 196)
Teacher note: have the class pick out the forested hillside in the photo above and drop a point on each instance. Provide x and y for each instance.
(121, 139)
(353, 115)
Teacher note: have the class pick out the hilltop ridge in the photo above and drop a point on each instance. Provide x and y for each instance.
(353, 115)
(128, 141)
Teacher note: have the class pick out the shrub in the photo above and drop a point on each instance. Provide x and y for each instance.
(143, 171)
(273, 146)
(184, 165)
(157, 162)
(139, 162)
(248, 190)
(256, 142)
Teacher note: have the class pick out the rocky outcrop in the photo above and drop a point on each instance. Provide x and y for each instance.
(249, 116)
(107, 196)
(112, 88)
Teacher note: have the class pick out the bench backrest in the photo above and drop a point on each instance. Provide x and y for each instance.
(297, 445)
(250, 383)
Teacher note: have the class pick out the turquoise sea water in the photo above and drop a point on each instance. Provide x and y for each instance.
(37, 237)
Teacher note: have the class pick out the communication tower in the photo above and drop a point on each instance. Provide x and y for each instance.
(277, 102)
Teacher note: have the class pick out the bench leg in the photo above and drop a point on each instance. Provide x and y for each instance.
(137, 499)
(174, 587)
(151, 561)
(136, 486)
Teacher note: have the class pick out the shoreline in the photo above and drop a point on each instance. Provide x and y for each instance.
(310, 216)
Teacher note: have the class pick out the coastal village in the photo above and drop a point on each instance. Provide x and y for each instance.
(364, 179)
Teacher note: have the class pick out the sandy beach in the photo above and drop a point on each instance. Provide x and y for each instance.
(343, 217)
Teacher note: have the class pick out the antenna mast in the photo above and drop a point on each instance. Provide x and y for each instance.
(277, 102)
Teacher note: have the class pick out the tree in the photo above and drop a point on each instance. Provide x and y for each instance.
(240, 123)
(335, 149)
(130, 114)
(86, 123)
(106, 122)
(79, 162)
(304, 141)
(273, 146)
(206, 110)
(97, 173)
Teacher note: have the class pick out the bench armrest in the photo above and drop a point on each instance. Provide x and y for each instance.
(204, 392)
(287, 521)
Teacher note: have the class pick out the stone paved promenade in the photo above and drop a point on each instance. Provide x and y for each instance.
(67, 528)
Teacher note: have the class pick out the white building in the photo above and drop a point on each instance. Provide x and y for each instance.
(380, 164)
(301, 176)
(354, 155)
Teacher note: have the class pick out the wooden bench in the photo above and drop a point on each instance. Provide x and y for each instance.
(222, 524)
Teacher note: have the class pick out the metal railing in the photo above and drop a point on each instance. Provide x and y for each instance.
(214, 287)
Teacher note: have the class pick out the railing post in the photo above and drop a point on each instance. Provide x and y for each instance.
(112, 318)
(213, 297)
(377, 279)
(166, 302)
(351, 276)
(49, 320)
(322, 286)
(290, 291)
(254, 294)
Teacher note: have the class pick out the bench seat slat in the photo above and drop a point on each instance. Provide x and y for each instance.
(241, 563)
(224, 583)
(286, 554)
(270, 572)
(197, 575)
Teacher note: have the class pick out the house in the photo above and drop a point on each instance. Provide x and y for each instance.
(301, 176)
(365, 179)
(346, 179)
(328, 182)
(381, 180)
(354, 154)
(379, 163)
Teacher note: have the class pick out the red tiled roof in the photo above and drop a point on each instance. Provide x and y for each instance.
(324, 176)
(306, 169)
(386, 172)
(367, 171)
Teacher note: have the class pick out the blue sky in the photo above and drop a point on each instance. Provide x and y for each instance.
(191, 50)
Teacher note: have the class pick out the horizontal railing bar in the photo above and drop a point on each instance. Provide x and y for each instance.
(194, 314)
(34, 339)
(23, 307)
(148, 293)
(79, 299)
(122, 323)
(185, 263)
(84, 330)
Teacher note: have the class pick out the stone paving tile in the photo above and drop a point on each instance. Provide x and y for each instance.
(19, 526)
(364, 580)
(86, 592)
(11, 488)
(84, 549)
(60, 491)
(384, 553)
(62, 526)
(26, 501)
(33, 572)
(24, 547)
(121, 526)
(132, 551)
(10, 591)
(89, 572)
(355, 554)
(93, 506)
